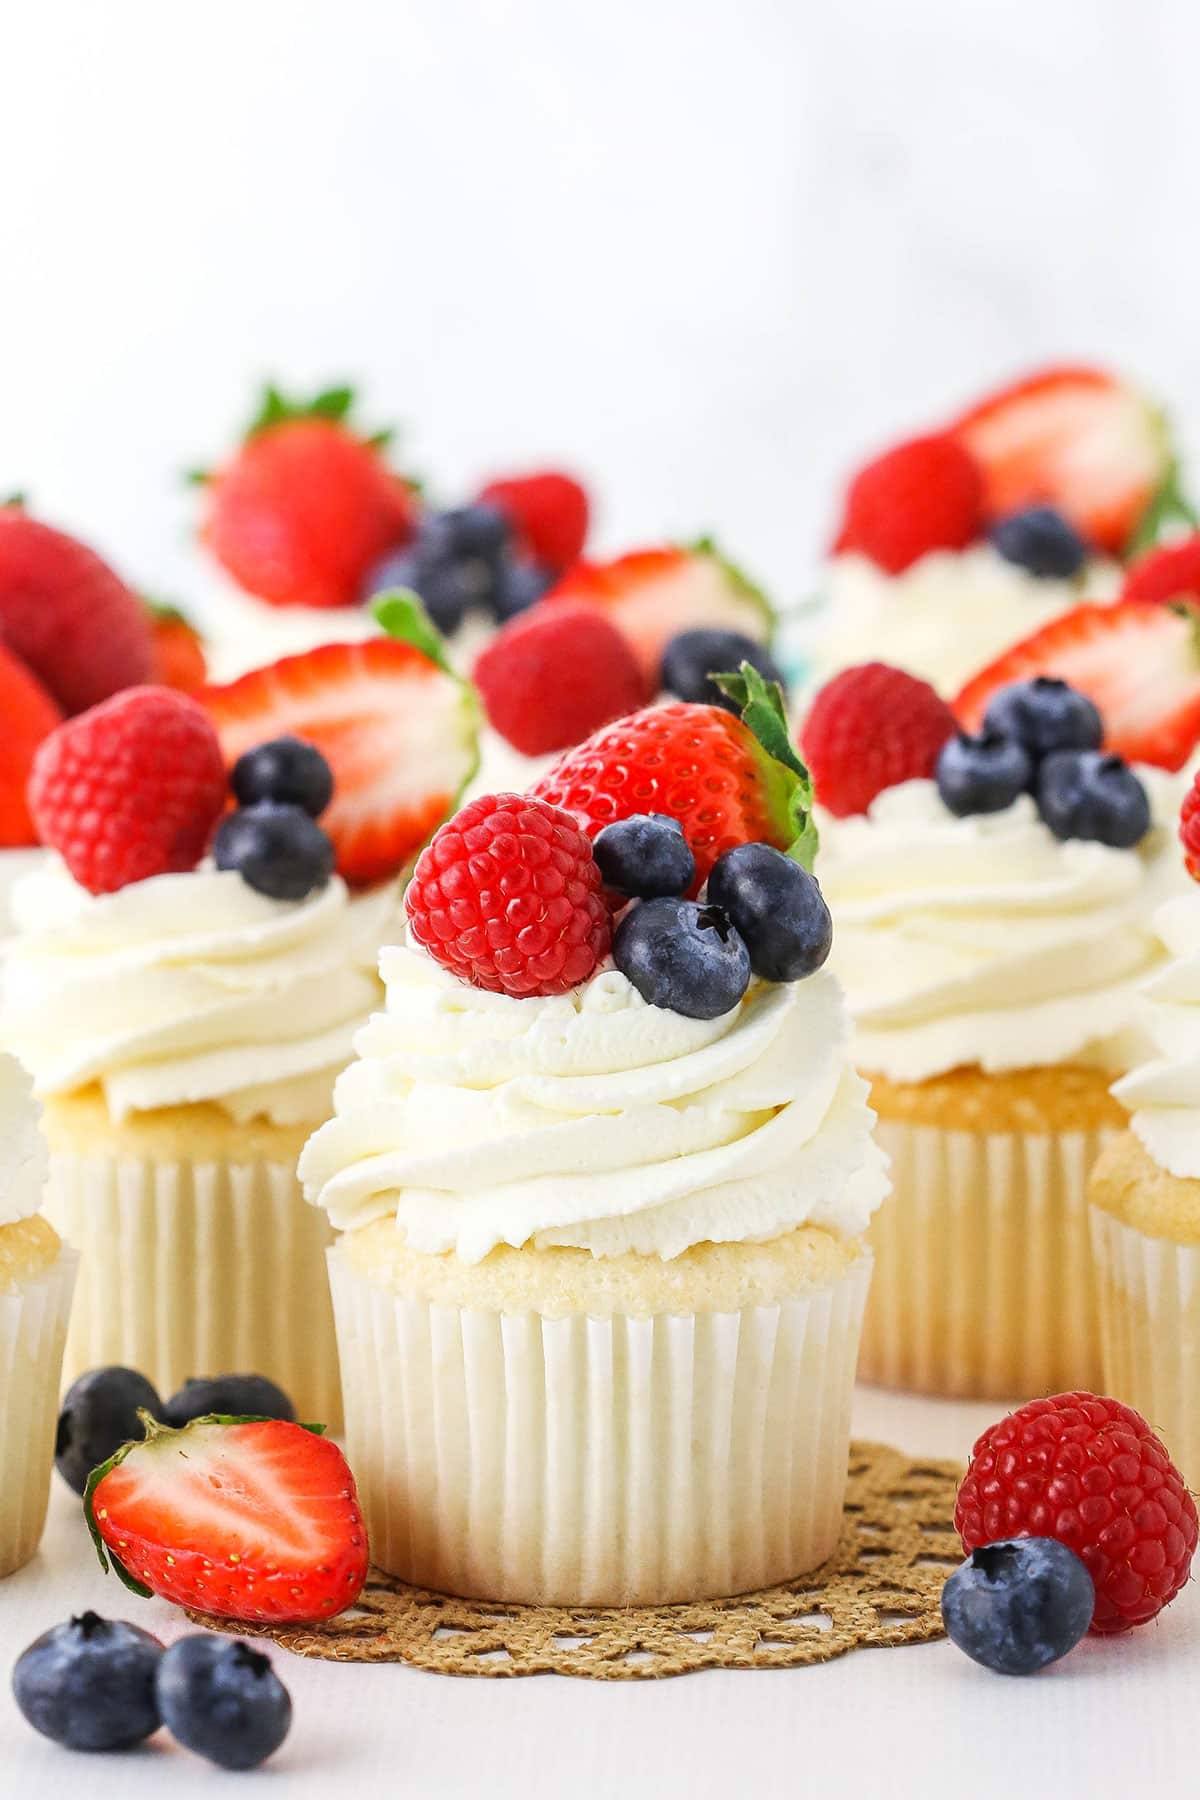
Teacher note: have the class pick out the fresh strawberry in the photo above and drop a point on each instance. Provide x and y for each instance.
(871, 728)
(65, 614)
(179, 660)
(653, 595)
(1172, 572)
(924, 495)
(246, 1519)
(30, 715)
(548, 513)
(1076, 438)
(305, 506)
(1189, 829)
(398, 730)
(554, 674)
(727, 780)
(1137, 660)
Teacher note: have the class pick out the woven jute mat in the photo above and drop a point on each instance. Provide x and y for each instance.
(882, 1588)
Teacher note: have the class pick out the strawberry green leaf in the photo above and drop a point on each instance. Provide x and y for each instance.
(165, 612)
(761, 705)
(402, 615)
(197, 477)
(276, 407)
(17, 499)
(1169, 506)
(333, 403)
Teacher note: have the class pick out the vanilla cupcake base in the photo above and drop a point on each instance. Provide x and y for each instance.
(550, 1428)
(199, 1253)
(34, 1311)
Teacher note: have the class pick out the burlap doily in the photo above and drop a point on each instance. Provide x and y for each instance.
(883, 1587)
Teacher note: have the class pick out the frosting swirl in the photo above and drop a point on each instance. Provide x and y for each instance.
(24, 1158)
(1164, 1094)
(595, 1121)
(190, 988)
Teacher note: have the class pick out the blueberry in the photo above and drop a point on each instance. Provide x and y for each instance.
(447, 585)
(1045, 714)
(684, 957)
(518, 583)
(277, 850)
(1018, 1605)
(778, 909)
(646, 857)
(693, 657)
(223, 1700)
(287, 771)
(1041, 540)
(90, 1684)
(982, 774)
(395, 569)
(242, 1396)
(1094, 795)
(99, 1414)
(477, 530)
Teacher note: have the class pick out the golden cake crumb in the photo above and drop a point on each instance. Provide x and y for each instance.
(1062, 1097)
(27, 1249)
(81, 1123)
(1128, 1183)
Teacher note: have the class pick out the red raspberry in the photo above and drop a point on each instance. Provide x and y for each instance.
(507, 896)
(554, 675)
(871, 728)
(924, 495)
(131, 789)
(1169, 573)
(548, 513)
(1189, 829)
(1091, 1473)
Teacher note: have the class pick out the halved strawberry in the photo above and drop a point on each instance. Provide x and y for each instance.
(1077, 438)
(398, 729)
(653, 595)
(1137, 659)
(244, 1518)
(30, 715)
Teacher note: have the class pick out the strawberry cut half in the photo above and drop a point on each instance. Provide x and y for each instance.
(397, 728)
(1138, 660)
(242, 1518)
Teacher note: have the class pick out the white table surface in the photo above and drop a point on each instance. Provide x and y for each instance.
(1114, 1719)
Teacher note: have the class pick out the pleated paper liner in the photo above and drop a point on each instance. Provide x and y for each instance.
(881, 1589)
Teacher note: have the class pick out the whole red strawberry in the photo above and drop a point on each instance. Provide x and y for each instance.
(1089, 1472)
(554, 674)
(871, 728)
(924, 495)
(549, 515)
(29, 715)
(1172, 572)
(508, 897)
(131, 789)
(179, 659)
(66, 614)
(1189, 829)
(305, 506)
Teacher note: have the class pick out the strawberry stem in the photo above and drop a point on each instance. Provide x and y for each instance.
(1169, 506)
(762, 709)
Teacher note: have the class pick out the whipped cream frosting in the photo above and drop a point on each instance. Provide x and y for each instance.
(24, 1158)
(189, 988)
(1163, 1094)
(986, 941)
(595, 1121)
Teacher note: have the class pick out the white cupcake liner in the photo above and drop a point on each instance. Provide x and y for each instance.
(202, 1268)
(598, 1461)
(1150, 1316)
(984, 1285)
(33, 1331)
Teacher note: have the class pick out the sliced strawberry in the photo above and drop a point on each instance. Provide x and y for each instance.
(653, 595)
(244, 1518)
(30, 715)
(398, 730)
(1168, 572)
(1138, 660)
(1076, 438)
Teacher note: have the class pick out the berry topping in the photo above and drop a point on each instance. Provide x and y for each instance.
(1170, 572)
(682, 956)
(305, 506)
(982, 774)
(90, 1684)
(645, 858)
(277, 850)
(248, 1520)
(1044, 715)
(1042, 541)
(287, 771)
(1089, 1472)
(924, 495)
(179, 660)
(462, 561)
(692, 659)
(129, 790)
(553, 675)
(101, 1411)
(777, 908)
(481, 530)
(1093, 794)
(30, 714)
(83, 633)
(548, 513)
(1138, 661)
(1189, 829)
(518, 584)
(507, 896)
(1019, 1605)
(223, 1700)
(871, 728)
(238, 1396)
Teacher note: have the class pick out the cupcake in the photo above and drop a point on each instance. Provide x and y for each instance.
(36, 1278)
(994, 924)
(601, 1271)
